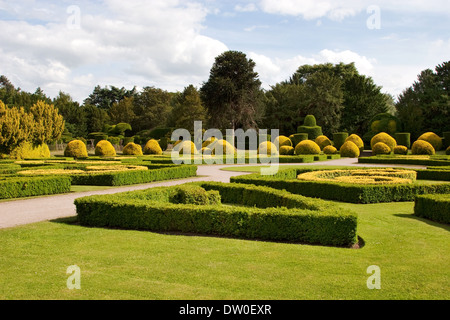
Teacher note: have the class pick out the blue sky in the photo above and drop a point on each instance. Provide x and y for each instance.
(72, 46)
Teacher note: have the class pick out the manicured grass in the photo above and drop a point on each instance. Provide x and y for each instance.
(412, 253)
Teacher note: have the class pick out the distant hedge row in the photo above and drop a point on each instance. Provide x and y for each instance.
(279, 216)
(411, 160)
(433, 207)
(18, 187)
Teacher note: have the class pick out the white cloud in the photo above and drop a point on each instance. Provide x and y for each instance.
(250, 7)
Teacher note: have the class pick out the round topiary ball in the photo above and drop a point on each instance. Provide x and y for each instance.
(287, 151)
(104, 148)
(433, 139)
(385, 138)
(132, 149)
(267, 148)
(380, 148)
(349, 150)
(401, 150)
(186, 145)
(76, 149)
(307, 147)
(208, 142)
(422, 147)
(310, 121)
(224, 146)
(330, 150)
(206, 151)
(323, 141)
(356, 140)
(152, 147)
(283, 141)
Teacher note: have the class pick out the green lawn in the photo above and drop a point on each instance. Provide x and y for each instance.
(413, 255)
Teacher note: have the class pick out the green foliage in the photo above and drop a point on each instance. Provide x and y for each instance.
(27, 150)
(267, 148)
(188, 107)
(76, 149)
(298, 137)
(18, 187)
(310, 121)
(403, 139)
(323, 141)
(49, 124)
(330, 150)
(433, 139)
(422, 147)
(401, 150)
(283, 141)
(132, 149)
(312, 131)
(287, 150)
(104, 148)
(433, 207)
(339, 139)
(152, 147)
(307, 147)
(356, 140)
(385, 138)
(194, 194)
(381, 148)
(349, 150)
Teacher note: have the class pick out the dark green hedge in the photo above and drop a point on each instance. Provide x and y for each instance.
(18, 187)
(433, 207)
(135, 176)
(328, 225)
(353, 193)
(433, 174)
(433, 161)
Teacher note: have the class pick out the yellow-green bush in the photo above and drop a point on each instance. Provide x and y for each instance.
(385, 138)
(401, 150)
(330, 150)
(350, 150)
(287, 151)
(267, 148)
(186, 145)
(422, 147)
(104, 148)
(323, 141)
(208, 142)
(132, 149)
(380, 148)
(283, 141)
(28, 150)
(206, 151)
(76, 149)
(356, 140)
(152, 147)
(226, 147)
(307, 147)
(433, 139)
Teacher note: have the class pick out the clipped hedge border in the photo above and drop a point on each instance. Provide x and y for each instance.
(16, 187)
(402, 160)
(328, 225)
(433, 174)
(433, 207)
(345, 192)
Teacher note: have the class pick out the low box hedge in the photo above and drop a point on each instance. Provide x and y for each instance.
(435, 207)
(18, 187)
(433, 174)
(410, 160)
(301, 220)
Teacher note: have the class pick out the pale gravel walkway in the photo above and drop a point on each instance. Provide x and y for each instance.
(19, 212)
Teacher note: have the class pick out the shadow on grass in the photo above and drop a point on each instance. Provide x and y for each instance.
(427, 221)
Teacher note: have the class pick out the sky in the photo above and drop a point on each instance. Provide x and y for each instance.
(73, 46)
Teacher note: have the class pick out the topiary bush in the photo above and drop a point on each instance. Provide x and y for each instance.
(223, 145)
(152, 147)
(447, 152)
(132, 149)
(184, 146)
(208, 142)
(194, 194)
(310, 127)
(28, 150)
(104, 148)
(433, 139)
(287, 151)
(76, 149)
(446, 140)
(385, 138)
(298, 137)
(349, 150)
(401, 150)
(283, 141)
(403, 139)
(307, 147)
(380, 148)
(267, 148)
(339, 139)
(323, 141)
(356, 140)
(330, 150)
(422, 147)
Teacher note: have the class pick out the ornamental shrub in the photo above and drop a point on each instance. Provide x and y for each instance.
(433, 139)
(380, 148)
(310, 127)
(356, 140)
(310, 121)
(132, 149)
(194, 194)
(422, 147)
(287, 151)
(385, 138)
(350, 150)
(267, 148)
(401, 150)
(323, 141)
(330, 150)
(152, 147)
(27, 150)
(403, 139)
(339, 139)
(298, 137)
(446, 140)
(226, 147)
(104, 148)
(186, 145)
(208, 142)
(447, 152)
(283, 141)
(76, 149)
(307, 147)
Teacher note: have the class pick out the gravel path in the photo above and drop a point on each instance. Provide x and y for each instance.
(19, 212)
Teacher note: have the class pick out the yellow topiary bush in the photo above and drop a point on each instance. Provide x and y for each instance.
(76, 149)
(283, 141)
(401, 150)
(208, 142)
(104, 148)
(380, 148)
(307, 147)
(226, 147)
(132, 149)
(152, 147)
(433, 139)
(267, 148)
(385, 138)
(206, 151)
(356, 140)
(186, 145)
(287, 151)
(349, 150)
(28, 150)
(422, 147)
(323, 141)
(330, 150)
